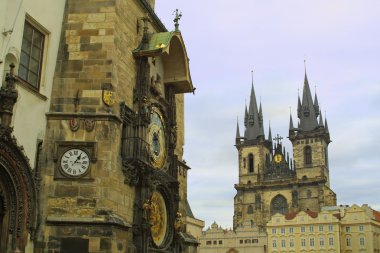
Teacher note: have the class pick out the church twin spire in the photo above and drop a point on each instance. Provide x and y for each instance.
(308, 111)
(253, 120)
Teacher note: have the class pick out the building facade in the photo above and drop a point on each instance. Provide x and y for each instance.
(28, 51)
(100, 85)
(334, 229)
(270, 181)
(244, 239)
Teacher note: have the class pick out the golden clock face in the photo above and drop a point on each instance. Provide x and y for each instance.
(277, 158)
(158, 218)
(156, 139)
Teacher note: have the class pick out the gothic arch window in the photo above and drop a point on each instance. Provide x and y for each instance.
(279, 205)
(307, 152)
(250, 163)
(250, 209)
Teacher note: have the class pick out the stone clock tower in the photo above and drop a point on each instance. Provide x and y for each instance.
(272, 182)
(111, 173)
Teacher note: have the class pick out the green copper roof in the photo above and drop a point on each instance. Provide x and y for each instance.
(159, 40)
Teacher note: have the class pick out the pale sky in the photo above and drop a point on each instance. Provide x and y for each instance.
(225, 40)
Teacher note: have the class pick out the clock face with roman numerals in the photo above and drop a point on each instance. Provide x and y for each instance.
(75, 162)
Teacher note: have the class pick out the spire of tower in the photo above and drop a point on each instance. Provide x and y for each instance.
(320, 119)
(254, 126)
(246, 116)
(326, 126)
(270, 133)
(291, 126)
(237, 138)
(299, 107)
(307, 114)
(316, 104)
(237, 129)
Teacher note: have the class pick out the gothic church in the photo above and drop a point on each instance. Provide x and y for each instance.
(269, 180)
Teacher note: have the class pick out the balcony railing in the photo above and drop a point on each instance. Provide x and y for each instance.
(135, 148)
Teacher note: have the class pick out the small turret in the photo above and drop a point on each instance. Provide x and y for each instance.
(238, 138)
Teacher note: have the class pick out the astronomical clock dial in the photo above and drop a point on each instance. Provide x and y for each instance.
(75, 162)
(156, 139)
(277, 158)
(158, 219)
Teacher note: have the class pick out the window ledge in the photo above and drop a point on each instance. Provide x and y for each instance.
(29, 88)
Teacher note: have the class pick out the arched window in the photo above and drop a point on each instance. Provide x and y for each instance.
(250, 209)
(279, 205)
(250, 163)
(307, 155)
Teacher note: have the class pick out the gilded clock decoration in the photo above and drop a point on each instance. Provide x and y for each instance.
(157, 139)
(277, 158)
(158, 218)
(75, 162)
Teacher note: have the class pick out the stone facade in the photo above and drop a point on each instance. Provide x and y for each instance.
(109, 174)
(269, 180)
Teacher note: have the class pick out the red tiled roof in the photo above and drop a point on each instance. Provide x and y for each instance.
(311, 213)
(337, 215)
(291, 215)
(376, 215)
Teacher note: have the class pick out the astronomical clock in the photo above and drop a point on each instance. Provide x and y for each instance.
(151, 150)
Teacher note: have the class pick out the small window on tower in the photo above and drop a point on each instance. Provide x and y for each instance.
(307, 155)
(250, 163)
(250, 209)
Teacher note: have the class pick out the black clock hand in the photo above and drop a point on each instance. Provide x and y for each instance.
(78, 158)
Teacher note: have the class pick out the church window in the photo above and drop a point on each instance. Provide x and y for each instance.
(250, 209)
(220, 241)
(361, 228)
(331, 241)
(321, 241)
(311, 229)
(274, 231)
(307, 155)
(274, 243)
(291, 230)
(331, 228)
(283, 243)
(291, 242)
(348, 229)
(31, 55)
(208, 243)
(241, 241)
(282, 230)
(250, 163)
(303, 229)
(279, 205)
(321, 228)
(361, 241)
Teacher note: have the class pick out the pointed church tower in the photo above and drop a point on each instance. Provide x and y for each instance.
(254, 152)
(310, 142)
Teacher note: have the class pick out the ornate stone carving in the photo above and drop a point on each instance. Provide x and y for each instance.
(89, 124)
(8, 97)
